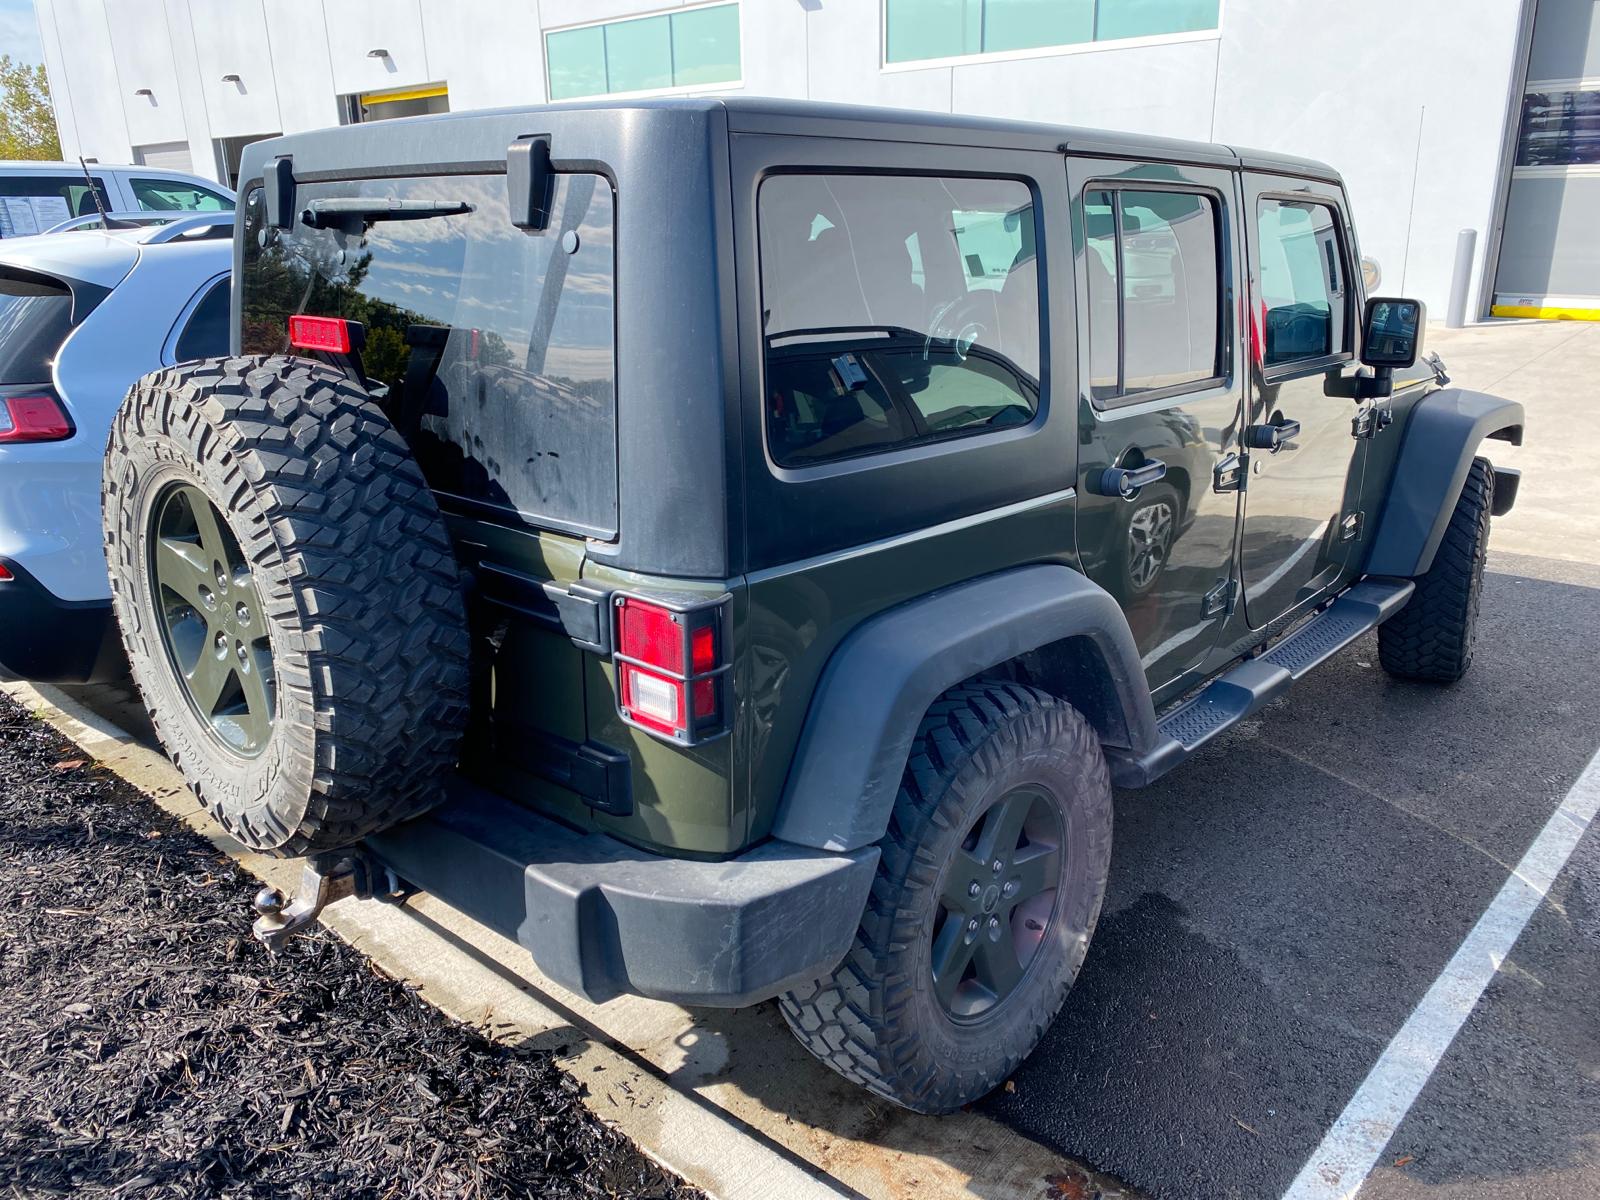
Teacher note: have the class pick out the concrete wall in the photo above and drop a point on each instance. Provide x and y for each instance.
(1409, 98)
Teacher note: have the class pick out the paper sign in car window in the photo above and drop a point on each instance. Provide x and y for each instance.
(49, 211)
(16, 217)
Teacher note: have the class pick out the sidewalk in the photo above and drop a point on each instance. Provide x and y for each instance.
(1553, 369)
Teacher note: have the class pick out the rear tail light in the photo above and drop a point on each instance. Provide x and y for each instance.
(5, 573)
(328, 334)
(33, 416)
(673, 676)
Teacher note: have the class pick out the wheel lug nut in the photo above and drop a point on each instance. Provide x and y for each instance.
(997, 866)
(1010, 889)
(243, 613)
(972, 888)
(972, 925)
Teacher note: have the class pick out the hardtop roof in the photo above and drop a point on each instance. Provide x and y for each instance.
(424, 136)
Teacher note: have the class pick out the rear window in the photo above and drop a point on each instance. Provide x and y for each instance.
(31, 204)
(491, 349)
(898, 310)
(35, 318)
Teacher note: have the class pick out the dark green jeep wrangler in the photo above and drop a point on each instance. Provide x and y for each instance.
(734, 548)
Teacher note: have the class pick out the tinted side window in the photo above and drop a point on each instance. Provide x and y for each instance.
(206, 334)
(897, 309)
(173, 195)
(1301, 282)
(1154, 265)
(34, 203)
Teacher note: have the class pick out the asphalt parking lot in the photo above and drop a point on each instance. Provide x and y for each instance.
(1279, 907)
(1283, 905)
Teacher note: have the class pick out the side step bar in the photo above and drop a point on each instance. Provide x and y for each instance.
(1255, 682)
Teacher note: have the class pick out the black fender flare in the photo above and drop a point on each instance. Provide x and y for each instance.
(1441, 437)
(884, 675)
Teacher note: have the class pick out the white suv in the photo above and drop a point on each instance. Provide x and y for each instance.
(37, 196)
(83, 315)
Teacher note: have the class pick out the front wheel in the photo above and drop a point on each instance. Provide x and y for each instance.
(993, 870)
(1432, 637)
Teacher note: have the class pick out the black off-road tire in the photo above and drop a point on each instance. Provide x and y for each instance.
(353, 568)
(876, 1020)
(1432, 637)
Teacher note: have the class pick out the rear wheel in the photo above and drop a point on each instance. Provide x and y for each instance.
(288, 599)
(992, 874)
(1432, 637)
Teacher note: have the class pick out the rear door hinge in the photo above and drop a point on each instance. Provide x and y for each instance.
(1350, 527)
(1218, 600)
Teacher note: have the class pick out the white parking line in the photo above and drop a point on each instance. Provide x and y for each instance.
(1352, 1146)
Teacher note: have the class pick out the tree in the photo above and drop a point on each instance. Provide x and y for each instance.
(27, 118)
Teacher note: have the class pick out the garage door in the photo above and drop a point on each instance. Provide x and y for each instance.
(169, 156)
(1549, 255)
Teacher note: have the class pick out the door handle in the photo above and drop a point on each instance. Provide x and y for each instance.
(1126, 481)
(1272, 437)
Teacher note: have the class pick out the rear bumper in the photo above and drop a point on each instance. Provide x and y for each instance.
(48, 640)
(605, 919)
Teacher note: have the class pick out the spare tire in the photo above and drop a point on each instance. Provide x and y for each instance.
(288, 598)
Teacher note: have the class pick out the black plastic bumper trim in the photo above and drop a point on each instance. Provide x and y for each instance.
(49, 640)
(607, 919)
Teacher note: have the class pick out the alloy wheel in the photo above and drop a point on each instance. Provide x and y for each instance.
(997, 903)
(211, 620)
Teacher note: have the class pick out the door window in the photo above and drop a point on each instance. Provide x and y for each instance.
(1154, 265)
(897, 309)
(1301, 285)
(175, 195)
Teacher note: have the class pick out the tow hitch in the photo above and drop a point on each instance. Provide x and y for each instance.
(326, 878)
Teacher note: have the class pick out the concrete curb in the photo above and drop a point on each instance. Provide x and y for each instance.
(727, 1100)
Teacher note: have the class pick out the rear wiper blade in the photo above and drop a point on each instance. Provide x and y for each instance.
(357, 211)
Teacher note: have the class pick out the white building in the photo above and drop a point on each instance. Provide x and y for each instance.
(1420, 103)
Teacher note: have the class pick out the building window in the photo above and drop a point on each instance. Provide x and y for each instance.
(915, 30)
(1155, 290)
(899, 310)
(1560, 128)
(696, 47)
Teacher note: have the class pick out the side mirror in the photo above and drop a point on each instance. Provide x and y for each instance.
(1391, 333)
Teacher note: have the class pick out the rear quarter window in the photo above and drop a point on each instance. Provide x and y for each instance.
(490, 348)
(898, 310)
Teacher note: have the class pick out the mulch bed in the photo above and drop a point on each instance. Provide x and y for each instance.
(149, 1047)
